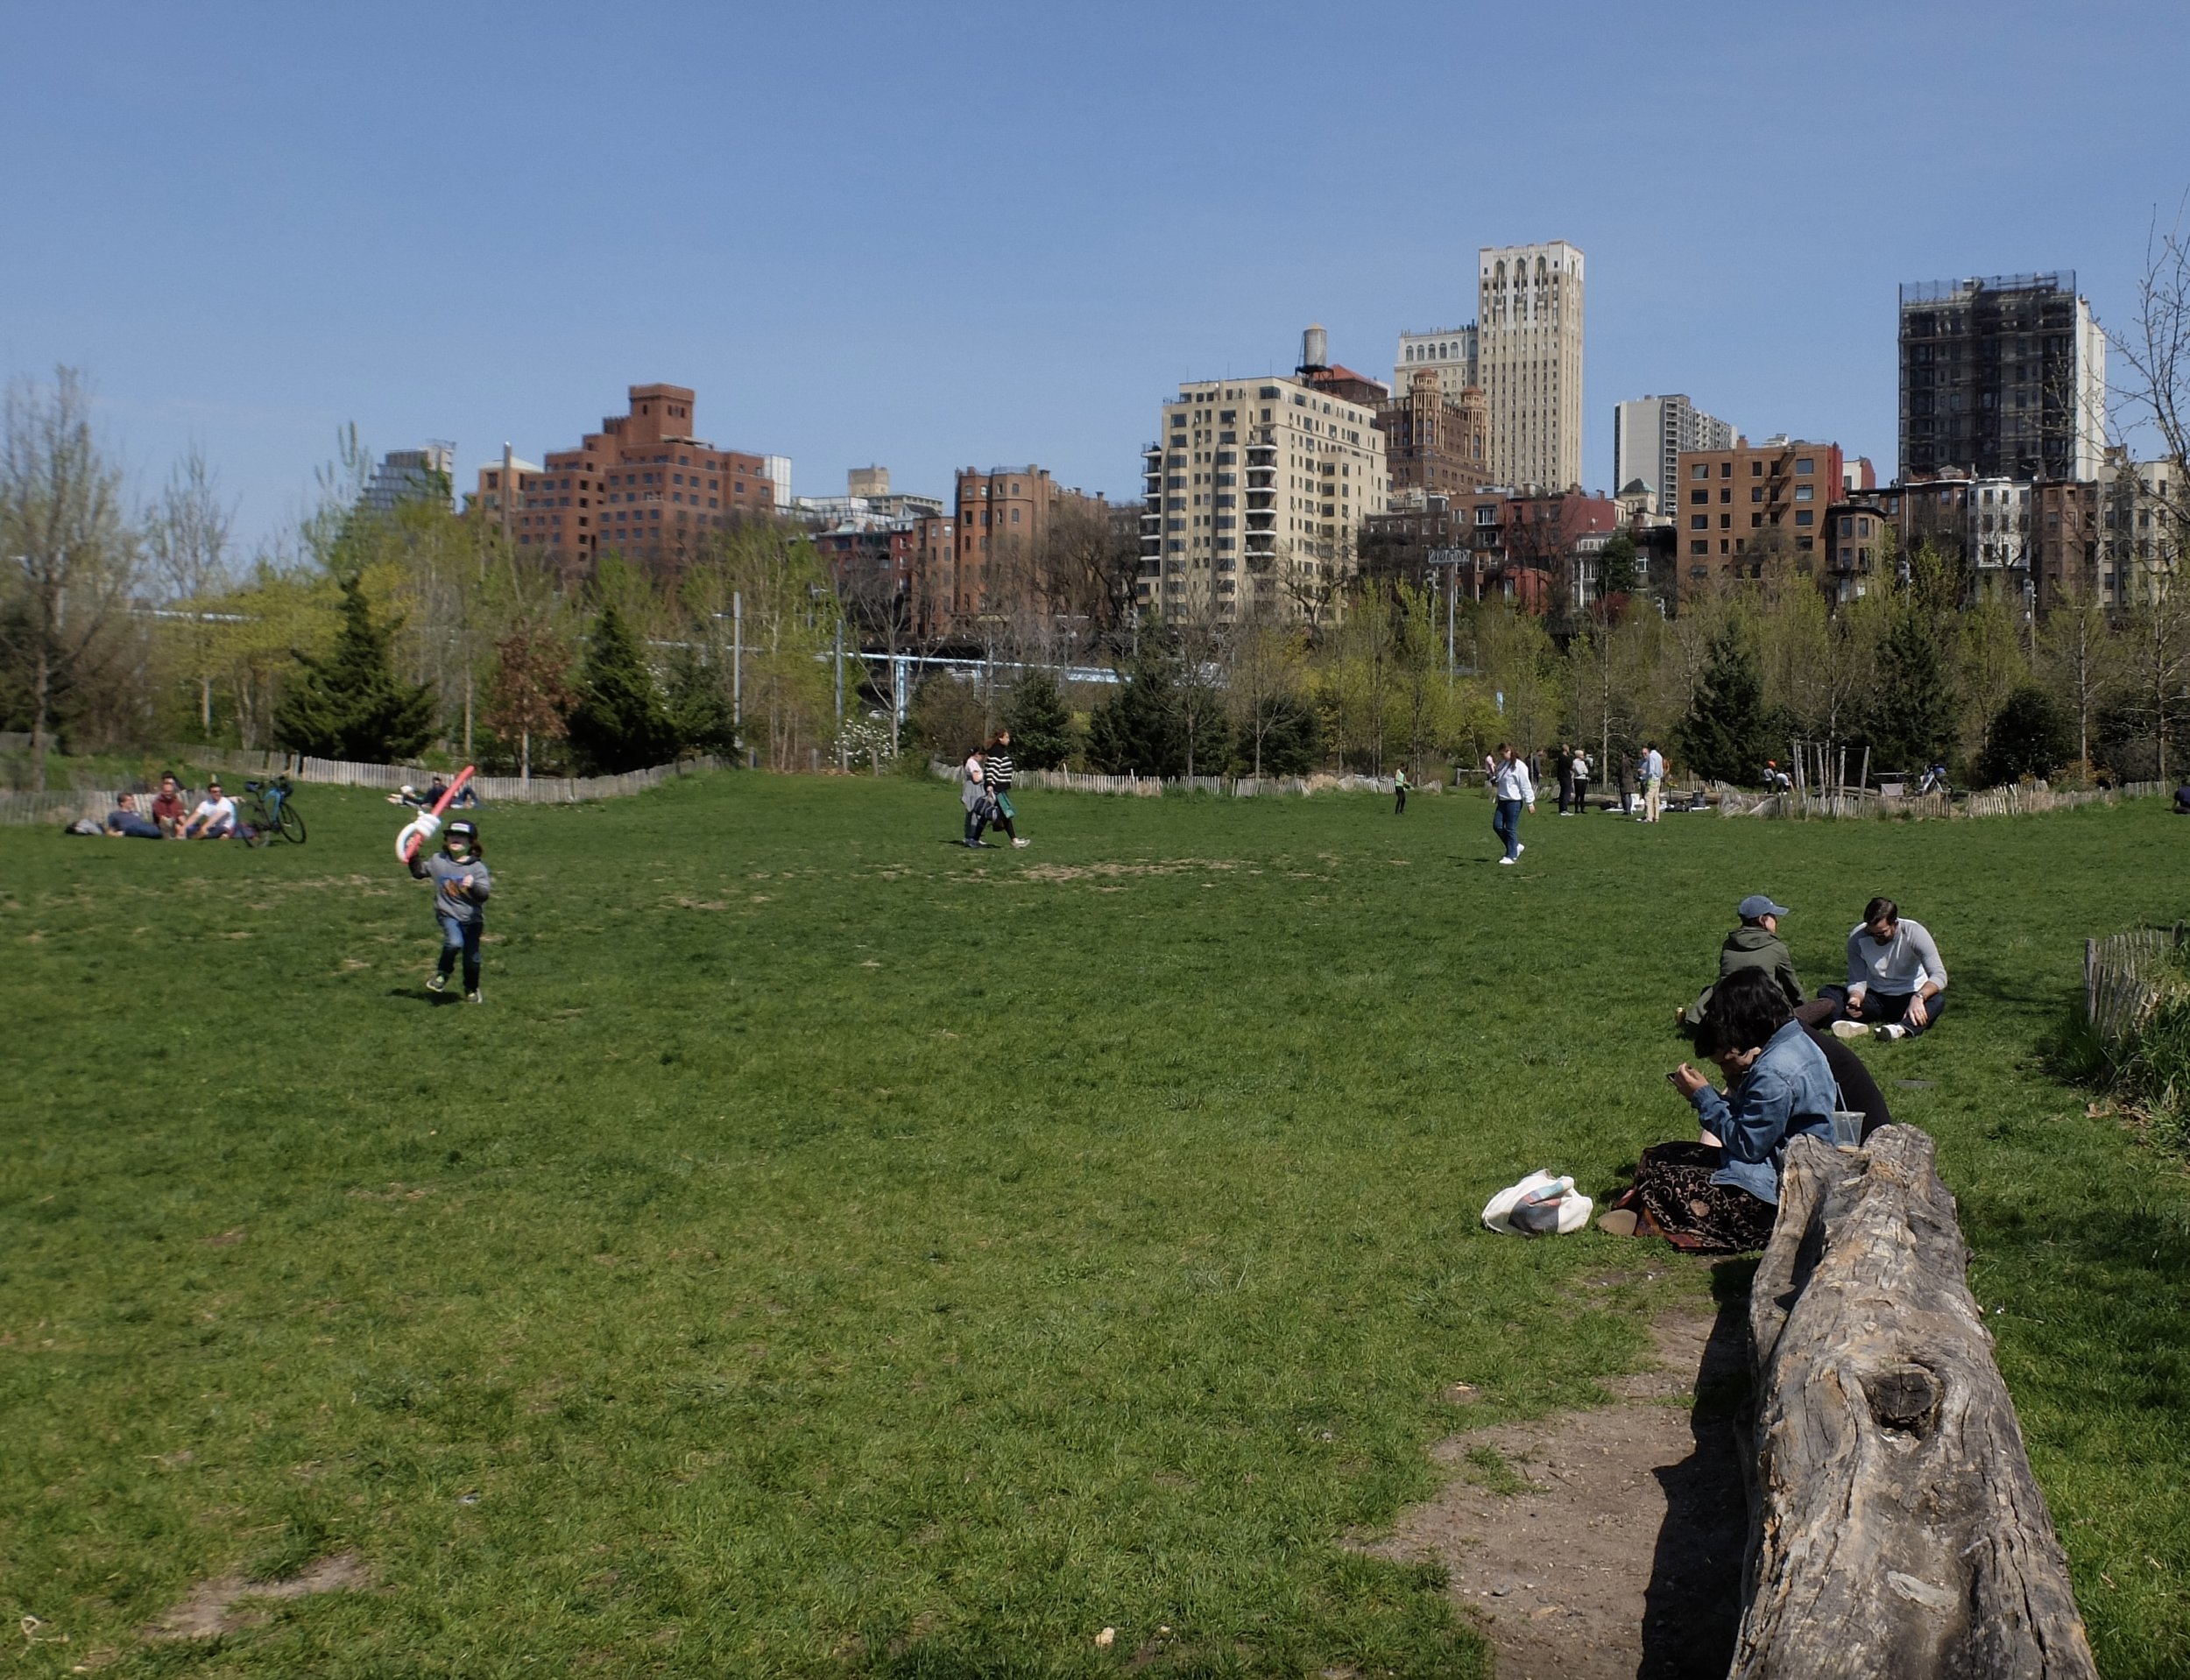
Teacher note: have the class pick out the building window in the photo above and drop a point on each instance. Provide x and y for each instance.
(1699, 522)
(1805, 516)
(1701, 469)
(1802, 465)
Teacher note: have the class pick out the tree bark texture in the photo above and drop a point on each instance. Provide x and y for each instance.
(1897, 1531)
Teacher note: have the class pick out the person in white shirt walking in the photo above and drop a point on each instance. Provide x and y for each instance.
(1652, 771)
(1511, 789)
(1896, 985)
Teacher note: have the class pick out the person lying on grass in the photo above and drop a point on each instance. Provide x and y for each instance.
(1721, 1192)
(1896, 985)
(130, 823)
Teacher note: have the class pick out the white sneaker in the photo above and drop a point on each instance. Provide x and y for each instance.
(1505, 860)
(1021, 844)
(1519, 846)
(1845, 1028)
(1893, 1031)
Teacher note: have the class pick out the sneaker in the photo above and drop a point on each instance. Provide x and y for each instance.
(473, 997)
(1888, 1033)
(1519, 846)
(439, 983)
(1505, 860)
(1021, 844)
(1846, 1028)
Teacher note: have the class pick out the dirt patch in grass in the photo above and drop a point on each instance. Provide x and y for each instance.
(1606, 1544)
(224, 1605)
(1112, 872)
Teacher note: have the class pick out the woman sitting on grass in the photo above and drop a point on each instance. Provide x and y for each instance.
(1722, 1193)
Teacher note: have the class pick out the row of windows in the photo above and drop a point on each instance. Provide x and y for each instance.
(1805, 465)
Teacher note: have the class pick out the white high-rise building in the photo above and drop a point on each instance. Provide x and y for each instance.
(412, 476)
(1528, 329)
(1256, 489)
(1647, 437)
(1450, 350)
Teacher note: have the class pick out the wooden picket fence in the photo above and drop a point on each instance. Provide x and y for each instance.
(2125, 977)
(2024, 799)
(20, 810)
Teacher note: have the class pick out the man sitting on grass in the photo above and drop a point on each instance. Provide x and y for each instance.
(214, 819)
(130, 823)
(1896, 985)
(169, 809)
(1755, 944)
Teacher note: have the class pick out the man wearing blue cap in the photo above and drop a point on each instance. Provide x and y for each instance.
(1755, 944)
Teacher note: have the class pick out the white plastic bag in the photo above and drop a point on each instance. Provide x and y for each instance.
(1574, 1208)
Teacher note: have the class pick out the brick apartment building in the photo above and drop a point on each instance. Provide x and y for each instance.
(644, 486)
(1739, 504)
(1004, 520)
(1434, 442)
(899, 567)
(1537, 550)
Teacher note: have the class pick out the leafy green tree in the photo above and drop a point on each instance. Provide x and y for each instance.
(2030, 736)
(350, 704)
(1137, 730)
(1040, 722)
(1619, 571)
(619, 723)
(1726, 733)
(1912, 711)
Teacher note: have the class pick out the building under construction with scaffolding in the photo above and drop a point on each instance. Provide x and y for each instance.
(2002, 376)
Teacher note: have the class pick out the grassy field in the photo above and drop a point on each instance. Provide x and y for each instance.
(830, 1251)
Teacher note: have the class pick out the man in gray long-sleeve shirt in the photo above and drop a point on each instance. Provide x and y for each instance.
(1896, 985)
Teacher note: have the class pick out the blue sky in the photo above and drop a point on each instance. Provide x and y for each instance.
(940, 236)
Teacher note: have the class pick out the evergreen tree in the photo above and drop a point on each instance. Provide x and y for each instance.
(2029, 737)
(1040, 722)
(1724, 735)
(1292, 738)
(698, 710)
(350, 704)
(618, 722)
(1913, 716)
(1137, 729)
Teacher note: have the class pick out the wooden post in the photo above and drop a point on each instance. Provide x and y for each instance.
(1897, 1529)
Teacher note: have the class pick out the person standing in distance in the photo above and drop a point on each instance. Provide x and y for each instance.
(1653, 771)
(1512, 789)
(1399, 791)
(1563, 768)
(1581, 781)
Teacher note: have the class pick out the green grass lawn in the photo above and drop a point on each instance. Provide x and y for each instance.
(830, 1251)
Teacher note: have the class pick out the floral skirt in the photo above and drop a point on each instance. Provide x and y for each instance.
(1674, 1197)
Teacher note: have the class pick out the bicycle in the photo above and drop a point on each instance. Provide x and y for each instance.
(273, 813)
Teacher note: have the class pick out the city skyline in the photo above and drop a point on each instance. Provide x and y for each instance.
(236, 260)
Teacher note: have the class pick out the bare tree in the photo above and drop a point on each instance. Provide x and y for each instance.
(2076, 651)
(185, 543)
(1262, 674)
(70, 555)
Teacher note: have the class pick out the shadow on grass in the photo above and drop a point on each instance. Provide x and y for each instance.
(1692, 1607)
(419, 994)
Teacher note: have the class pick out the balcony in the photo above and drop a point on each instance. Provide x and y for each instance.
(1258, 500)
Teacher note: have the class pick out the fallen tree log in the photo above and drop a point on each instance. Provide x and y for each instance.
(1897, 1531)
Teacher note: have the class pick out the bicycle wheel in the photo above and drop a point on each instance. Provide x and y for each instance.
(257, 829)
(292, 824)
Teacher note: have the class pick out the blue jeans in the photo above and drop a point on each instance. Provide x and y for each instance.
(1882, 1008)
(1505, 822)
(461, 936)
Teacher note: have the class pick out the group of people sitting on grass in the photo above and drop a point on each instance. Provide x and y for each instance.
(1787, 1071)
(174, 815)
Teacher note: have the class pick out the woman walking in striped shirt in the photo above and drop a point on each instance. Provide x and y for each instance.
(996, 764)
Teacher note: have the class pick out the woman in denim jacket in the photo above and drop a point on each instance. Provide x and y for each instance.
(1722, 1192)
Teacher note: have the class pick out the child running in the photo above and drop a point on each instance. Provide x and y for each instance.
(461, 887)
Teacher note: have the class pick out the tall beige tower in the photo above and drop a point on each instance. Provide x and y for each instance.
(1529, 322)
